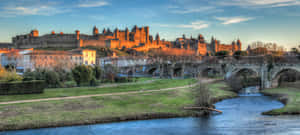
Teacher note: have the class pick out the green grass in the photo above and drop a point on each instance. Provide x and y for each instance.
(37, 114)
(220, 89)
(66, 92)
(293, 104)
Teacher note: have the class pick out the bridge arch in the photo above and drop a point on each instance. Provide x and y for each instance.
(289, 74)
(237, 71)
(177, 71)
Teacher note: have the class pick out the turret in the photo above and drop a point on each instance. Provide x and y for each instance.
(116, 33)
(77, 34)
(104, 31)
(34, 33)
(53, 32)
(233, 43)
(201, 38)
(183, 36)
(95, 31)
(147, 34)
(157, 38)
(108, 31)
(239, 43)
(126, 33)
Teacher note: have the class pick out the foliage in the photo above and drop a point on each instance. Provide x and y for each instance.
(222, 54)
(9, 76)
(53, 79)
(27, 87)
(82, 74)
(98, 72)
(239, 54)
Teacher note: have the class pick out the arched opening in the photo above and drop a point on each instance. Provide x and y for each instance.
(152, 71)
(177, 72)
(286, 77)
(210, 72)
(243, 78)
(130, 74)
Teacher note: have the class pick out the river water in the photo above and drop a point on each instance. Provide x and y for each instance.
(241, 116)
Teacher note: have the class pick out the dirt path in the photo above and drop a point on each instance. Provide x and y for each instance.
(88, 96)
(101, 95)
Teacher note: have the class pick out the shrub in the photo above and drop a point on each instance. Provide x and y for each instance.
(28, 87)
(9, 76)
(239, 54)
(222, 54)
(98, 72)
(82, 74)
(52, 79)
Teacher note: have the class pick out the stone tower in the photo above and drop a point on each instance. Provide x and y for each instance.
(239, 44)
(127, 36)
(77, 34)
(157, 39)
(147, 34)
(34, 33)
(95, 31)
(116, 33)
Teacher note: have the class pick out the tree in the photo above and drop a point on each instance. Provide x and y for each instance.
(222, 54)
(239, 54)
(98, 72)
(202, 95)
(82, 74)
(52, 80)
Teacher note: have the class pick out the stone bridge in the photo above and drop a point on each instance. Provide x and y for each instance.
(268, 71)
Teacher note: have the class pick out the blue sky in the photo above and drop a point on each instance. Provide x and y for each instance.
(250, 20)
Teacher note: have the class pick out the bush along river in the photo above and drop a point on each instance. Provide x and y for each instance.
(241, 115)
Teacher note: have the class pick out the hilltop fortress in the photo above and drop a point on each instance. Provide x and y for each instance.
(138, 39)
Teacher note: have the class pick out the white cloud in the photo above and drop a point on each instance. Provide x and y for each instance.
(260, 3)
(177, 10)
(98, 3)
(232, 20)
(196, 25)
(41, 10)
(30, 7)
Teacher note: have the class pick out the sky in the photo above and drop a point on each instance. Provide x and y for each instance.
(275, 21)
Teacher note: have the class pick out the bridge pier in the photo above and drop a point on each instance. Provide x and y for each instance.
(182, 70)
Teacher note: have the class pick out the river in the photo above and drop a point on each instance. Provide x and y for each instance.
(241, 116)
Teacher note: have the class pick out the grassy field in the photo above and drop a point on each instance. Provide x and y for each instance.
(292, 105)
(66, 92)
(221, 90)
(100, 109)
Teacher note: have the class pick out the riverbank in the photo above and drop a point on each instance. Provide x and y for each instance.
(139, 106)
(289, 96)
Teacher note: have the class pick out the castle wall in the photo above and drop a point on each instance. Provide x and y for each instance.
(202, 49)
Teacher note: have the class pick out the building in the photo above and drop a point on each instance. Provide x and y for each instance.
(59, 59)
(29, 59)
(6, 45)
(14, 57)
(200, 47)
(138, 38)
